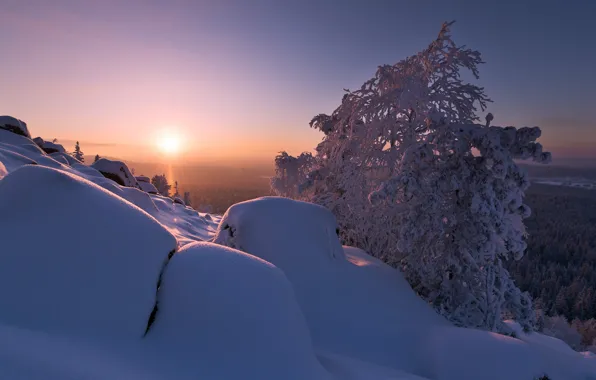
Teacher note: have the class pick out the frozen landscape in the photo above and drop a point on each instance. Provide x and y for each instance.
(102, 280)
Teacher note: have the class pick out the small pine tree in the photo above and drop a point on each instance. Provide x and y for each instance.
(78, 153)
(54, 140)
(96, 158)
(176, 193)
(161, 184)
(187, 198)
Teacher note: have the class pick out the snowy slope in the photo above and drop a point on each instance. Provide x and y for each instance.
(81, 259)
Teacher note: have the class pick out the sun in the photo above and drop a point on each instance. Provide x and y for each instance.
(169, 144)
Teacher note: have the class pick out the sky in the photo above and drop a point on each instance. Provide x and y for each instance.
(239, 80)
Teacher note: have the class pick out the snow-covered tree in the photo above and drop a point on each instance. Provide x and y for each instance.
(78, 153)
(161, 184)
(96, 158)
(414, 180)
(176, 193)
(187, 200)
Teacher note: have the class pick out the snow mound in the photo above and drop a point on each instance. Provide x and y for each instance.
(14, 125)
(50, 147)
(98, 279)
(117, 171)
(285, 232)
(146, 185)
(468, 354)
(12, 160)
(355, 305)
(233, 316)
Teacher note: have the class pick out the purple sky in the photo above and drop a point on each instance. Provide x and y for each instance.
(243, 78)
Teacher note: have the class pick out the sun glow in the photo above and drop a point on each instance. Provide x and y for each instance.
(169, 143)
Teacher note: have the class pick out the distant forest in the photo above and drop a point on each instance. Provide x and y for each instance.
(559, 268)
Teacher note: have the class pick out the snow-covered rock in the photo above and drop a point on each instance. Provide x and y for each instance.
(233, 316)
(39, 141)
(143, 178)
(14, 125)
(50, 147)
(70, 160)
(117, 171)
(285, 232)
(96, 279)
(339, 291)
(179, 201)
(146, 185)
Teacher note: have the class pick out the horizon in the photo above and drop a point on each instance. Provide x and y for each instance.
(231, 83)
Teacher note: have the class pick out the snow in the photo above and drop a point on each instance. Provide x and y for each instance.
(339, 290)
(142, 178)
(15, 125)
(80, 260)
(13, 139)
(219, 306)
(70, 160)
(359, 308)
(98, 279)
(117, 169)
(50, 147)
(147, 187)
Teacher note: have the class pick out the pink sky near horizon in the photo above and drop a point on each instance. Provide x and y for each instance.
(114, 74)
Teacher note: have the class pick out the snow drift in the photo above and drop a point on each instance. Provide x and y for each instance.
(219, 306)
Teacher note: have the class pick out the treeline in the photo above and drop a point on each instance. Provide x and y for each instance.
(559, 268)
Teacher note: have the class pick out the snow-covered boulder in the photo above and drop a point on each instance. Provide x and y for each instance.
(14, 125)
(285, 232)
(179, 201)
(146, 185)
(117, 171)
(50, 147)
(232, 316)
(143, 178)
(354, 304)
(70, 160)
(98, 279)
(39, 141)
